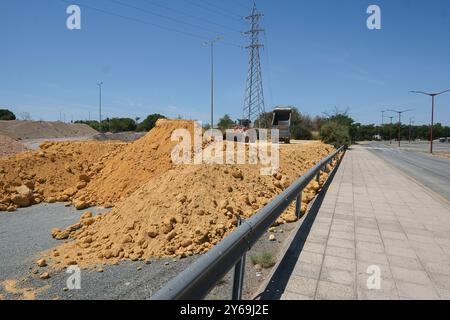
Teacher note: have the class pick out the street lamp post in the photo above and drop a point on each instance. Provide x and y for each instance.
(400, 123)
(410, 128)
(390, 130)
(432, 95)
(100, 101)
(211, 44)
(382, 123)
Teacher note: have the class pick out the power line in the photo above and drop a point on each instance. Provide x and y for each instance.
(239, 3)
(190, 15)
(269, 69)
(163, 16)
(186, 33)
(226, 11)
(214, 11)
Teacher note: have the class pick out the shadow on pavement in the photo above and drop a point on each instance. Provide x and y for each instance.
(281, 276)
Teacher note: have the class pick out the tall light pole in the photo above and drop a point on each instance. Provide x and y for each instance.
(410, 128)
(400, 123)
(382, 122)
(432, 95)
(100, 101)
(211, 44)
(390, 130)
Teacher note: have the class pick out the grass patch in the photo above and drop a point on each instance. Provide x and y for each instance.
(265, 259)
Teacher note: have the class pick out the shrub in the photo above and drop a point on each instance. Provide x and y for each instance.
(149, 122)
(264, 259)
(5, 114)
(335, 133)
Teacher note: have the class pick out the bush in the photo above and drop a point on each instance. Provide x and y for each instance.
(5, 114)
(264, 259)
(225, 123)
(149, 122)
(298, 132)
(121, 125)
(335, 133)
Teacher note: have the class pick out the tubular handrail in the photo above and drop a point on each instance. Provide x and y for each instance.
(200, 277)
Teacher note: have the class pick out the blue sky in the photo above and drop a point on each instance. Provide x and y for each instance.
(319, 55)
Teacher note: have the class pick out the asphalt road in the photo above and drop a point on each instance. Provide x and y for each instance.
(432, 171)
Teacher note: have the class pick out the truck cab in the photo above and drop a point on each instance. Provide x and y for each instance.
(282, 121)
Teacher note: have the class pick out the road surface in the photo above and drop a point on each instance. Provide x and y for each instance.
(431, 171)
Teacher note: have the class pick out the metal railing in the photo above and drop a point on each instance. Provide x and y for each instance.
(200, 277)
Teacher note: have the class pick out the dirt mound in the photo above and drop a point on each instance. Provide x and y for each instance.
(54, 173)
(185, 211)
(135, 165)
(22, 130)
(9, 146)
(86, 173)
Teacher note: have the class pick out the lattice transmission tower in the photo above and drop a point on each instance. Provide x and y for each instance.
(254, 95)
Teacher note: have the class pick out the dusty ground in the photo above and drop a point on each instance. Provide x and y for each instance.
(22, 130)
(9, 146)
(161, 210)
(127, 280)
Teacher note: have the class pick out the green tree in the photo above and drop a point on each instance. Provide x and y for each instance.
(149, 123)
(122, 125)
(5, 114)
(225, 123)
(335, 133)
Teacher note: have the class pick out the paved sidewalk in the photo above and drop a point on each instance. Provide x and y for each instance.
(373, 215)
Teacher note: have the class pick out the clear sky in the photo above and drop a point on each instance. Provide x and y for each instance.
(319, 55)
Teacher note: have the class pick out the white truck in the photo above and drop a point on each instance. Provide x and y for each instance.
(282, 121)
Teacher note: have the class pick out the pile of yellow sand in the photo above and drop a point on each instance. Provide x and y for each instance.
(186, 211)
(161, 209)
(86, 173)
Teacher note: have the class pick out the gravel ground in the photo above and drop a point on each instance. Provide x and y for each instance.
(253, 279)
(26, 232)
(34, 144)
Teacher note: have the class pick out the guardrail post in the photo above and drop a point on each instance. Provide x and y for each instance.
(298, 205)
(238, 280)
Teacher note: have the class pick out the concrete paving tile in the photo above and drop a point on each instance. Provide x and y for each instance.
(287, 295)
(409, 275)
(338, 276)
(400, 252)
(441, 280)
(416, 291)
(405, 262)
(369, 247)
(368, 238)
(437, 267)
(307, 270)
(333, 291)
(303, 286)
(314, 247)
(343, 235)
(343, 243)
(311, 257)
(339, 263)
(371, 257)
(348, 253)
